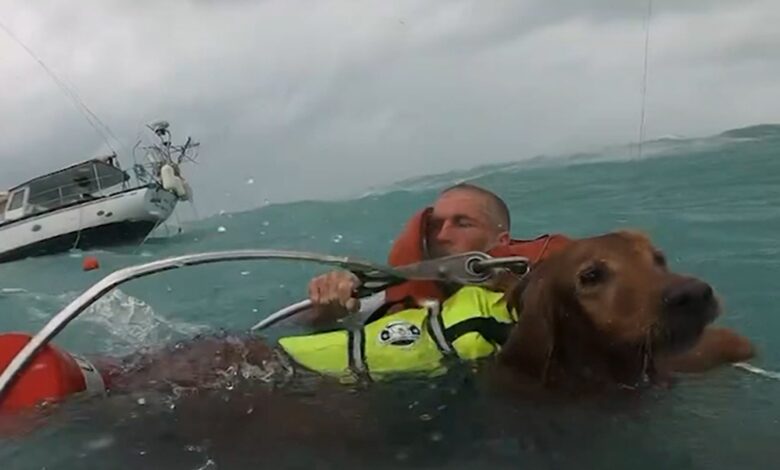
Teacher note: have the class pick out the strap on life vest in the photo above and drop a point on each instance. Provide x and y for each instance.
(411, 247)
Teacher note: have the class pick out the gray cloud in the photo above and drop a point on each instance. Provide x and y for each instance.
(327, 98)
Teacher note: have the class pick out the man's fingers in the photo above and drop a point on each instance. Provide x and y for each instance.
(353, 305)
(330, 289)
(344, 290)
(335, 289)
(316, 290)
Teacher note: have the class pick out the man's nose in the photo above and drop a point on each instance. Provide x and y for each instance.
(445, 231)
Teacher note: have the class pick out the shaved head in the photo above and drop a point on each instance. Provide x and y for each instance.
(496, 207)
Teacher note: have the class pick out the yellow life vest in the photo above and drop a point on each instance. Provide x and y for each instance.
(471, 324)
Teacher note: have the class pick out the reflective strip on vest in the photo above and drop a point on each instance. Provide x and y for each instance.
(469, 325)
(93, 381)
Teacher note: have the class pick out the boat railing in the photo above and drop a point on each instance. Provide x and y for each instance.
(63, 195)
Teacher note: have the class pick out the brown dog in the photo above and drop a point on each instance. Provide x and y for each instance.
(608, 311)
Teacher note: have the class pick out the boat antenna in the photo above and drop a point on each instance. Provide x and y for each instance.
(648, 16)
(94, 121)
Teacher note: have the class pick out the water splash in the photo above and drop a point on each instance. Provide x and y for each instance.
(133, 324)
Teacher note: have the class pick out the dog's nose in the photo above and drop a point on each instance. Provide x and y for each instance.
(688, 294)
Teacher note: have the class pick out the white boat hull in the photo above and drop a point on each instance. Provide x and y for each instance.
(121, 218)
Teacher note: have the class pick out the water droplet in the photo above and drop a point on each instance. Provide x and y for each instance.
(266, 202)
(338, 238)
(221, 229)
(250, 410)
(208, 465)
(12, 290)
(142, 401)
(100, 443)
(221, 211)
(262, 232)
(266, 223)
(425, 417)
(250, 181)
(244, 273)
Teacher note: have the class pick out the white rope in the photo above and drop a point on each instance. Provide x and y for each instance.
(78, 233)
(757, 370)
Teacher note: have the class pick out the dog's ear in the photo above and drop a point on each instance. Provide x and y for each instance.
(531, 345)
(510, 284)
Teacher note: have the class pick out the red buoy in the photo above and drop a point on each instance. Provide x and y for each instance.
(52, 375)
(90, 263)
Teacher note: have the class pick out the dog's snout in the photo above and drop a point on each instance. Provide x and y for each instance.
(690, 293)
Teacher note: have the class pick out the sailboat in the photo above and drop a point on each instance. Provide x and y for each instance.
(95, 203)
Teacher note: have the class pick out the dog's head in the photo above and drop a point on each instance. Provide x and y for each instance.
(608, 295)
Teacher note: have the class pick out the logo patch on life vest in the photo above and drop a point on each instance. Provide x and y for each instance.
(399, 333)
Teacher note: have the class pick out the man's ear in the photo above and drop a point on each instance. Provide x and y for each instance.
(504, 238)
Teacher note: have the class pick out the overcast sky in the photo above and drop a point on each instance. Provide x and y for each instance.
(324, 98)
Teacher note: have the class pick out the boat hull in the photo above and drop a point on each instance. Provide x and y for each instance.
(122, 218)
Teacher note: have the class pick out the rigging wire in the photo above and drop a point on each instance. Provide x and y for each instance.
(101, 128)
(642, 118)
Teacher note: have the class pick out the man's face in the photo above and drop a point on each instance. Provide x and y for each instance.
(461, 222)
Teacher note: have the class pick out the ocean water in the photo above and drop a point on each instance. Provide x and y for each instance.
(712, 204)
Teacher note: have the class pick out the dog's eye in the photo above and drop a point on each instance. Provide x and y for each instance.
(593, 274)
(659, 259)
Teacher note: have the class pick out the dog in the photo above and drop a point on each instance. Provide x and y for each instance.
(608, 311)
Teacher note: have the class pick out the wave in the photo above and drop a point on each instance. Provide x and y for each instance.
(400, 194)
(666, 146)
(759, 131)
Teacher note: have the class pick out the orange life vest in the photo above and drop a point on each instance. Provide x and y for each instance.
(410, 247)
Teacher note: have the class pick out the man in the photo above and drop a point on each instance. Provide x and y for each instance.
(465, 217)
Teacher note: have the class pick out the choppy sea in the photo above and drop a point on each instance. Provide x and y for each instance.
(712, 204)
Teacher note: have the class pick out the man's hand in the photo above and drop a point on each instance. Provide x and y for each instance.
(332, 296)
